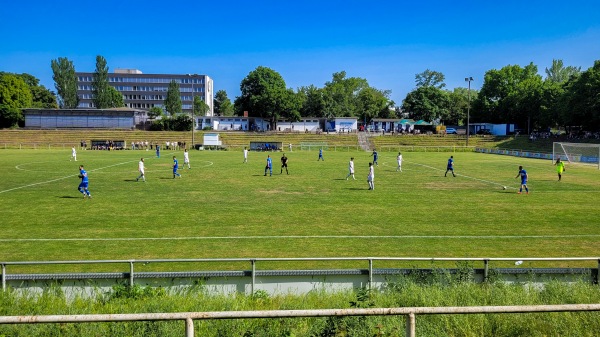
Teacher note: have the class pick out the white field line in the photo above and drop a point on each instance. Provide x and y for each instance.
(262, 237)
(464, 176)
(18, 167)
(63, 178)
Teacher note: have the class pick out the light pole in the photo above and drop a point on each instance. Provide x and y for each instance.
(468, 79)
(192, 110)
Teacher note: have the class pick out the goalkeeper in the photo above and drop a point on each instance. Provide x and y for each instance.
(560, 168)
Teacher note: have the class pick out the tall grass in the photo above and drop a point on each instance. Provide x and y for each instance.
(439, 289)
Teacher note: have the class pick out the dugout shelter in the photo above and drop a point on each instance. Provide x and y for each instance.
(266, 146)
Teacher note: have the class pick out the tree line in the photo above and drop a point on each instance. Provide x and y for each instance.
(565, 97)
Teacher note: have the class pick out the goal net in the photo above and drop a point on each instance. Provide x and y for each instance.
(577, 153)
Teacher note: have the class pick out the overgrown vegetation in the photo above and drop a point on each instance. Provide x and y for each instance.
(416, 290)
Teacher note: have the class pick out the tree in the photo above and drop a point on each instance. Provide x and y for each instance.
(116, 98)
(550, 108)
(155, 111)
(458, 104)
(427, 103)
(291, 105)
(430, 78)
(41, 97)
(14, 96)
(340, 95)
(173, 101)
(65, 82)
(373, 103)
(199, 107)
(313, 101)
(101, 94)
(527, 99)
(223, 105)
(263, 94)
(499, 100)
(558, 73)
(581, 104)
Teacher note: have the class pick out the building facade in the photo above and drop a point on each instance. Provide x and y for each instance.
(144, 91)
(119, 118)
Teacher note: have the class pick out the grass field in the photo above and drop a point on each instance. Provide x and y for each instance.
(222, 208)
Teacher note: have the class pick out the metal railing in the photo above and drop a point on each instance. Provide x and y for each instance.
(189, 317)
(285, 148)
(253, 263)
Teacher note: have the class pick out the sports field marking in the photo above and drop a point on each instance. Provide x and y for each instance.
(314, 237)
(63, 178)
(18, 167)
(395, 166)
(464, 176)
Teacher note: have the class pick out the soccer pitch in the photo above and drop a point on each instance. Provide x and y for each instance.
(222, 208)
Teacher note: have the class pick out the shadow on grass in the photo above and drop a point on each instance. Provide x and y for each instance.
(70, 197)
(129, 180)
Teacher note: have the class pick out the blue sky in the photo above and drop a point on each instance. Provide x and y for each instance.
(385, 42)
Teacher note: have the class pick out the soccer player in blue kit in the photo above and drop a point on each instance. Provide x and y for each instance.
(321, 155)
(269, 165)
(83, 186)
(450, 166)
(175, 167)
(523, 174)
(375, 157)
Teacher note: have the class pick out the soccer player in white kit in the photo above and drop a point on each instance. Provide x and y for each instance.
(351, 169)
(245, 155)
(399, 159)
(186, 158)
(141, 170)
(73, 154)
(371, 176)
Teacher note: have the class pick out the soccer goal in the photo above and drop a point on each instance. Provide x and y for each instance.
(577, 153)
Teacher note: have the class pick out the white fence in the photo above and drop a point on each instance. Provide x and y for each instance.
(189, 317)
(294, 280)
(285, 147)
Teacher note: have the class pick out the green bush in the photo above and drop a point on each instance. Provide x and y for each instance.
(174, 123)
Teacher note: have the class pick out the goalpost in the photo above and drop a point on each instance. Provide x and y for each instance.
(584, 153)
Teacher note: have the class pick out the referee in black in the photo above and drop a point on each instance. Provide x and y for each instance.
(284, 160)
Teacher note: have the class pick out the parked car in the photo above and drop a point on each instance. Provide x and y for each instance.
(451, 131)
(484, 132)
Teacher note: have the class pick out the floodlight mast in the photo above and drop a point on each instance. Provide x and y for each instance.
(468, 79)
(192, 110)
